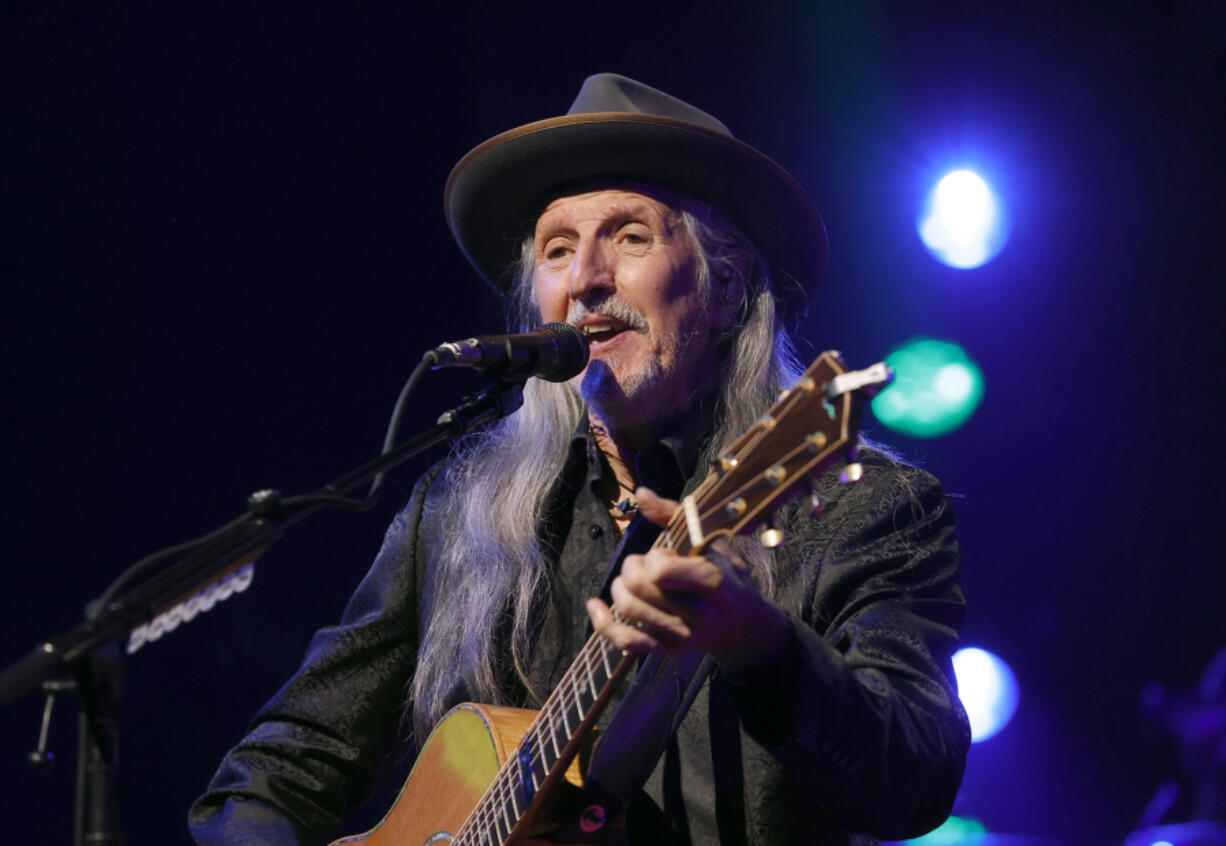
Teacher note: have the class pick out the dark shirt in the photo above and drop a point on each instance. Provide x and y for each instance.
(856, 728)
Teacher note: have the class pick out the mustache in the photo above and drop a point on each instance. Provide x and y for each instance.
(613, 307)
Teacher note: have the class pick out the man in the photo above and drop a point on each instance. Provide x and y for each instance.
(684, 255)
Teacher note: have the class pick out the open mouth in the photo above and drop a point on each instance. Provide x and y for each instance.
(602, 329)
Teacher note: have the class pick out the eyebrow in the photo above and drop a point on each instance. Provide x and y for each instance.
(619, 211)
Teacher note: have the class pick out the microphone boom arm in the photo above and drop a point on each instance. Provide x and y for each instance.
(245, 539)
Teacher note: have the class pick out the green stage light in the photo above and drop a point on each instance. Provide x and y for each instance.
(936, 389)
(955, 831)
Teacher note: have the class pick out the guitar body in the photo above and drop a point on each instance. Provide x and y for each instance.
(459, 760)
(455, 767)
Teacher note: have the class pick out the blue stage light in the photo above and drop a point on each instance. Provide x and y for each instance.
(988, 690)
(963, 223)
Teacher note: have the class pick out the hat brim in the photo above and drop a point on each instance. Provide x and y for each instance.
(495, 192)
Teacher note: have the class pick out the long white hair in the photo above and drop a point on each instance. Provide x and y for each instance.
(491, 567)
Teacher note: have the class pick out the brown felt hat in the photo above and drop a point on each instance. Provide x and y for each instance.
(622, 130)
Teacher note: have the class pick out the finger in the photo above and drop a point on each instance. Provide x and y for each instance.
(698, 576)
(663, 579)
(622, 636)
(664, 571)
(655, 508)
(640, 573)
(657, 621)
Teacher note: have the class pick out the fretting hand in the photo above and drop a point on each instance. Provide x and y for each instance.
(685, 603)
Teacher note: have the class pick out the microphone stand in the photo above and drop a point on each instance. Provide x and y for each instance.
(90, 654)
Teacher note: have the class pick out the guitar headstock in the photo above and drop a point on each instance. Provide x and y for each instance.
(813, 425)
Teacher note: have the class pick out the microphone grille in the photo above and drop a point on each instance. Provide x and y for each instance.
(570, 354)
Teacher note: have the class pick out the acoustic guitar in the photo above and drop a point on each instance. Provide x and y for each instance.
(490, 775)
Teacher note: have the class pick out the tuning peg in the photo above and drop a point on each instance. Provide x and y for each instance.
(852, 473)
(770, 537)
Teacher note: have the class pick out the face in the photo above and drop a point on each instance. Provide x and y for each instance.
(620, 266)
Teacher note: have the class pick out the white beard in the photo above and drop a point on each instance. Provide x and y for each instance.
(648, 392)
(629, 399)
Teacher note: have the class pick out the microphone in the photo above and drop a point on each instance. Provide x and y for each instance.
(555, 352)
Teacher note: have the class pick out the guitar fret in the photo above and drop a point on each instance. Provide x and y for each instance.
(506, 799)
(503, 807)
(587, 665)
(534, 735)
(582, 703)
(569, 733)
(571, 706)
(540, 771)
(518, 801)
(604, 658)
(498, 808)
(524, 777)
(611, 651)
(559, 713)
(504, 820)
(575, 709)
(487, 822)
(487, 815)
(553, 738)
(482, 833)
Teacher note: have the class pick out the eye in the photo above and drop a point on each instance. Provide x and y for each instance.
(634, 234)
(555, 249)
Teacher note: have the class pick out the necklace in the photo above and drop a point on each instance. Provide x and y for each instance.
(627, 507)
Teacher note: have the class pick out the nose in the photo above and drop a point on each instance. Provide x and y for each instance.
(591, 272)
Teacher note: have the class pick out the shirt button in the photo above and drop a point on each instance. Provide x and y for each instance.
(594, 531)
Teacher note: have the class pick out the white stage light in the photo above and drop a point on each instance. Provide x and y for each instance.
(988, 690)
(962, 223)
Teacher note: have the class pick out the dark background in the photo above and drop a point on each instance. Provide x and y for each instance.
(222, 250)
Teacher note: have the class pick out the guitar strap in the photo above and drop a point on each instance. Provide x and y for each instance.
(724, 726)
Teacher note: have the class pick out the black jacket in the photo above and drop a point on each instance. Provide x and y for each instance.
(856, 729)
